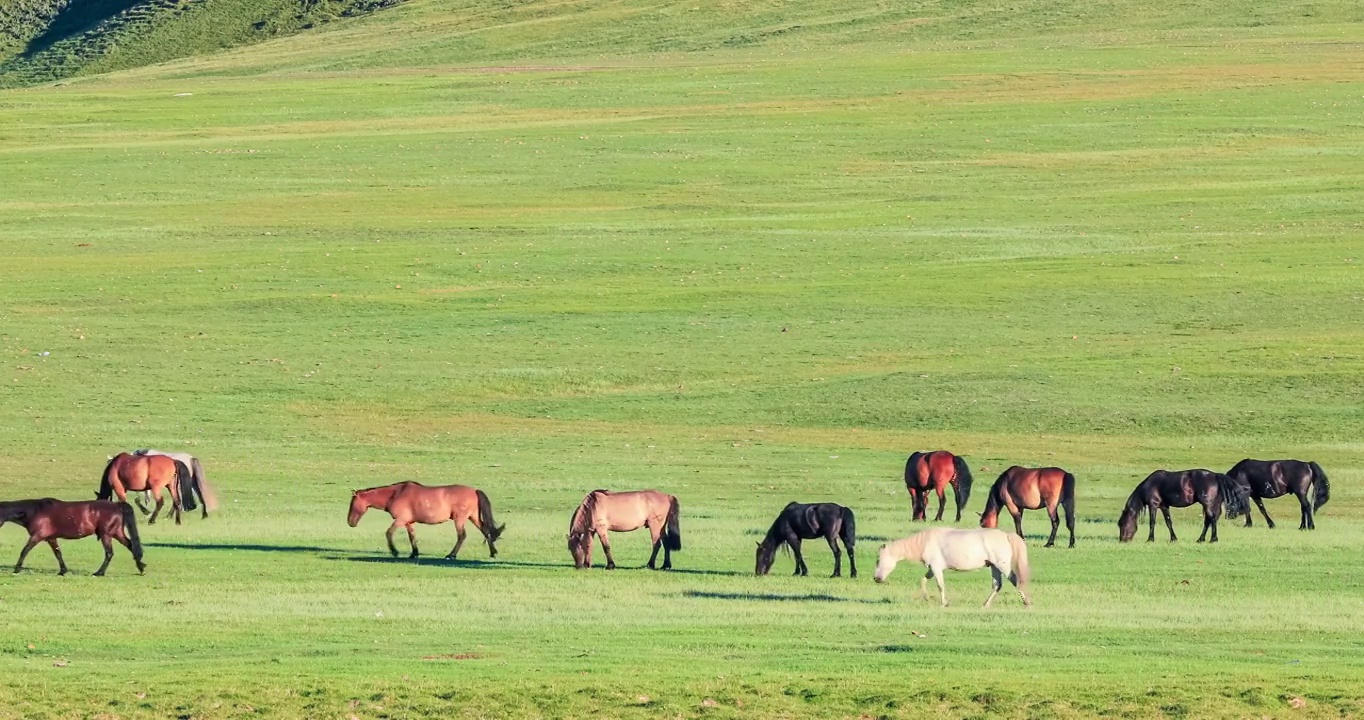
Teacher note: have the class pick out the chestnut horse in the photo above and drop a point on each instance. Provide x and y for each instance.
(413, 502)
(49, 520)
(1020, 488)
(603, 510)
(1274, 478)
(193, 484)
(1164, 489)
(934, 471)
(136, 473)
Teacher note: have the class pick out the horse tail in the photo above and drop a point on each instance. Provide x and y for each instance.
(186, 480)
(1020, 560)
(130, 527)
(1320, 484)
(1234, 496)
(206, 494)
(1068, 497)
(963, 480)
(491, 529)
(849, 530)
(106, 487)
(672, 534)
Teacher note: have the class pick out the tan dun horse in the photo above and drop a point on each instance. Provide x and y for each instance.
(1020, 488)
(602, 511)
(412, 502)
(933, 472)
(134, 473)
(941, 549)
(193, 484)
(49, 520)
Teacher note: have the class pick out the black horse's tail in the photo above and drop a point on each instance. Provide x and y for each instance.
(963, 480)
(185, 478)
(672, 534)
(848, 531)
(1321, 484)
(1068, 498)
(130, 527)
(491, 529)
(1235, 495)
(106, 488)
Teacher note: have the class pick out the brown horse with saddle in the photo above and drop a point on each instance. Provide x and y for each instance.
(413, 502)
(602, 511)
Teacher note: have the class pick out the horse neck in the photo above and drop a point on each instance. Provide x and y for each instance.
(582, 518)
(911, 548)
(379, 497)
(774, 537)
(992, 502)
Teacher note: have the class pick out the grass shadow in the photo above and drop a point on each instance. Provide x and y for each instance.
(773, 597)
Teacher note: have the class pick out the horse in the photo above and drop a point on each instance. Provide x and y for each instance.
(143, 472)
(413, 502)
(941, 549)
(193, 483)
(934, 471)
(603, 510)
(797, 522)
(1164, 489)
(1273, 478)
(1020, 488)
(49, 520)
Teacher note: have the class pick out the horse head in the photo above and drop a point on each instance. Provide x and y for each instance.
(763, 560)
(358, 506)
(578, 547)
(884, 564)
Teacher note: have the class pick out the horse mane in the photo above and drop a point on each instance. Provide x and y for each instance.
(581, 524)
(393, 488)
(1134, 505)
(910, 548)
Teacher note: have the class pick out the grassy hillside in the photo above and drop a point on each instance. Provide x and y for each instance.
(746, 254)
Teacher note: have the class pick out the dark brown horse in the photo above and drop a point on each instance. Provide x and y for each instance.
(603, 511)
(1274, 478)
(412, 502)
(933, 472)
(806, 522)
(49, 520)
(1020, 488)
(134, 473)
(1164, 489)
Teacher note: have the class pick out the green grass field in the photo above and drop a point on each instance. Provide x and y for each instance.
(745, 253)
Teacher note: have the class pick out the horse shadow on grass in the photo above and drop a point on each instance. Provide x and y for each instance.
(774, 597)
(249, 547)
(437, 561)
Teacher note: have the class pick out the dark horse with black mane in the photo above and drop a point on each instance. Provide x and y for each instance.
(49, 520)
(806, 522)
(1164, 489)
(1020, 488)
(1274, 478)
(933, 472)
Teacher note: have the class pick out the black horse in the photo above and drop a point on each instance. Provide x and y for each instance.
(1164, 489)
(1274, 478)
(796, 522)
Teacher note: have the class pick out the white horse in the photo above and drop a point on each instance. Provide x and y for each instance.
(941, 549)
(198, 483)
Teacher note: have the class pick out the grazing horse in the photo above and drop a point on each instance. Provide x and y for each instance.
(603, 511)
(797, 522)
(49, 520)
(941, 549)
(934, 471)
(127, 472)
(194, 482)
(413, 502)
(1273, 478)
(1020, 488)
(1164, 489)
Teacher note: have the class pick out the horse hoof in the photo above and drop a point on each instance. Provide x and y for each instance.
(612, 566)
(98, 574)
(63, 572)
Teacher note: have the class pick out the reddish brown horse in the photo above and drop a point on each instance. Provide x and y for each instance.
(1020, 488)
(412, 502)
(933, 472)
(134, 473)
(49, 520)
(603, 510)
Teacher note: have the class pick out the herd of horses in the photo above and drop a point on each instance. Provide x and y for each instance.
(153, 472)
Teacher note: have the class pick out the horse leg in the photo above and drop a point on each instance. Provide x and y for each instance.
(1207, 520)
(1260, 503)
(459, 542)
(389, 534)
(996, 582)
(108, 554)
(141, 505)
(1055, 518)
(160, 501)
(1306, 523)
(606, 548)
(1168, 522)
(57, 550)
(1151, 515)
(656, 534)
(942, 502)
(838, 556)
(32, 542)
(1018, 522)
(801, 568)
(175, 498)
(120, 536)
(923, 584)
(412, 538)
(942, 589)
